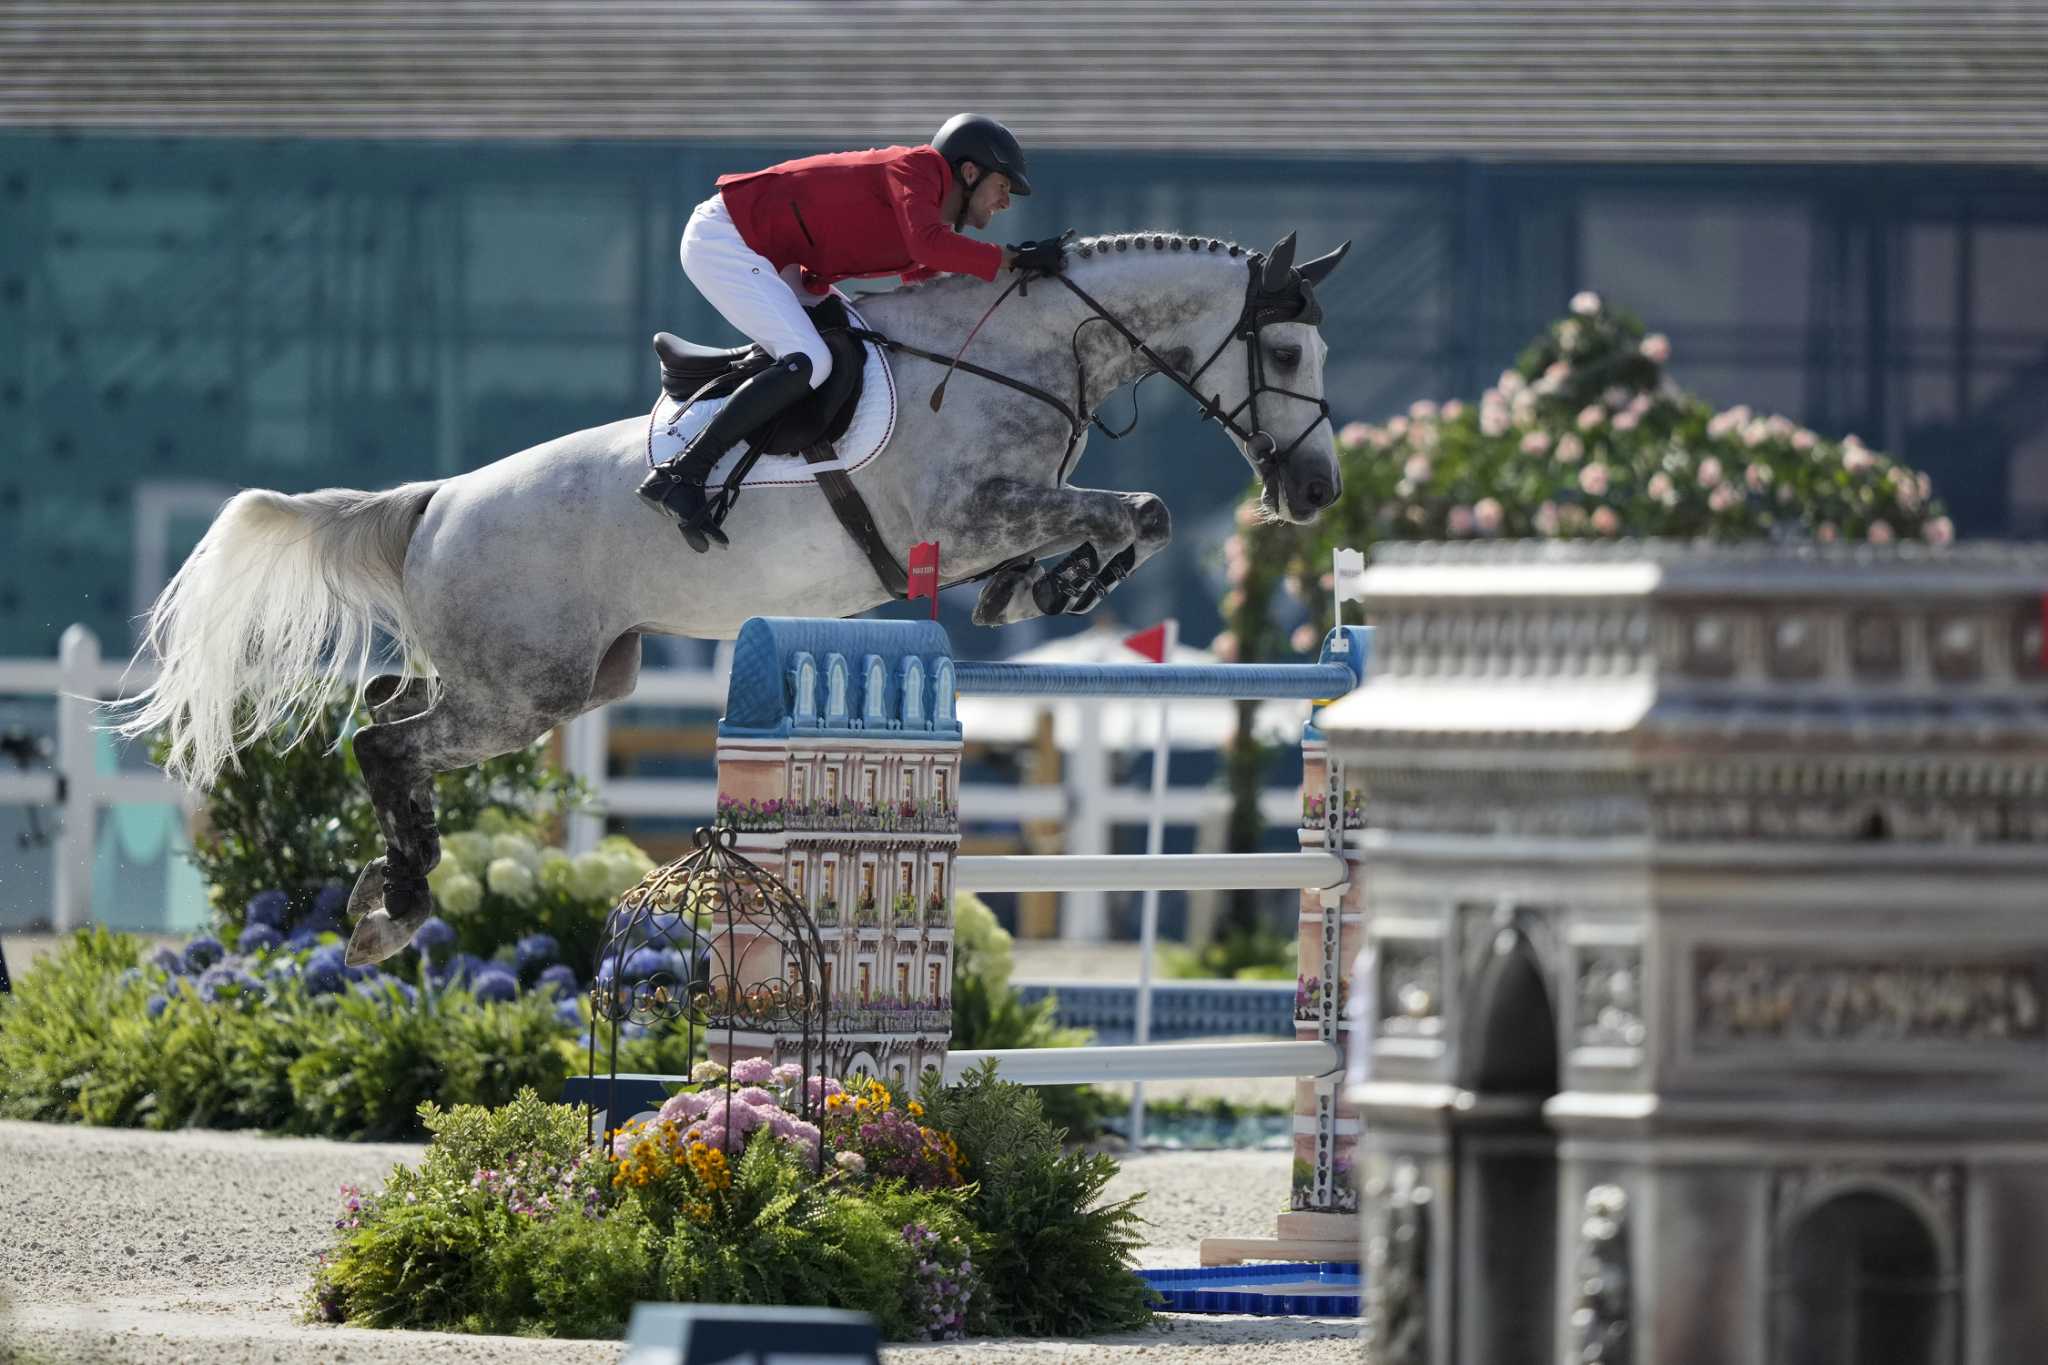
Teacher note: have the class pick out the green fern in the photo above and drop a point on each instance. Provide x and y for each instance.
(1060, 1257)
(471, 1137)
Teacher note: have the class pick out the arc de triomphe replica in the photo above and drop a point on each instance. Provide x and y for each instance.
(1708, 895)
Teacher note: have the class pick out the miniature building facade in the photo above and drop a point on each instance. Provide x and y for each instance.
(1707, 893)
(839, 767)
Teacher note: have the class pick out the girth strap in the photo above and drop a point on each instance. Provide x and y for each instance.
(852, 511)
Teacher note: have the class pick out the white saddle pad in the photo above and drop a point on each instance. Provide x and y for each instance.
(670, 427)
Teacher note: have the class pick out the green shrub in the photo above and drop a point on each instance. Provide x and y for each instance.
(497, 1230)
(1058, 1261)
(73, 1037)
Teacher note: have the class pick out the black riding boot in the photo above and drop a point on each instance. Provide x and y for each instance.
(677, 486)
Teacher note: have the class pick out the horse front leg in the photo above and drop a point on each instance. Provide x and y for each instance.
(1106, 536)
(1082, 588)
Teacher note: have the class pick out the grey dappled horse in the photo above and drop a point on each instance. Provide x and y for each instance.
(518, 593)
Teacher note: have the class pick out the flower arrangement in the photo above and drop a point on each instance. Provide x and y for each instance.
(905, 908)
(1309, 994)
(928, 816)
(557, 1239)
(290, 823)
(751, 816)
(1585, 437)
(1343, 1186)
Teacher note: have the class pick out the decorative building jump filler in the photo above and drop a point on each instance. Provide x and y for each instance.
(839, 767)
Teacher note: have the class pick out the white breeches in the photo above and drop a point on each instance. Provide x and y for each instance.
(744, 287)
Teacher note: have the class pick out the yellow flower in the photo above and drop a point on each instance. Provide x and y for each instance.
(916, 1110)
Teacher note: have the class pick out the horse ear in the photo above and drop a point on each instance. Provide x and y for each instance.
(1279, 264)
(1317, 270)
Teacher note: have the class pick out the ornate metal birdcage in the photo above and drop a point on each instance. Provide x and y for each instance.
(720, 948)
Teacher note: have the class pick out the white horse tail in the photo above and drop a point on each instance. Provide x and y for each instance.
(283, 592)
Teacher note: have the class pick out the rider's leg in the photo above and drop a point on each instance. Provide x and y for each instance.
(744, 287)
(677, 487)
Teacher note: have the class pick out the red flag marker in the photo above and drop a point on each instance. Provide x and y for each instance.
(924, 574)
(1153, 643)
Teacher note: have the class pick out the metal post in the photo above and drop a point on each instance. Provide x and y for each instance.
(583, 754)
(77, 765)
(1148, 914)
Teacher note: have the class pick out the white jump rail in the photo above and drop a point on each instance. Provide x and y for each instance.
(1151, 1062)
(1138, 871)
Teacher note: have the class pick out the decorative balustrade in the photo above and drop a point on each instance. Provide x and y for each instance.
(893, 1016)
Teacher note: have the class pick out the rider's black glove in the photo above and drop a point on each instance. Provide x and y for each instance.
(1046, 257)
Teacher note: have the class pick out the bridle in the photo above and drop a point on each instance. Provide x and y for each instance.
(1267, 302)
(1263, 307)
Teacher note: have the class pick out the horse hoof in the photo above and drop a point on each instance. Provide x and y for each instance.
(377, 936)
(388, 911)
(368, 895)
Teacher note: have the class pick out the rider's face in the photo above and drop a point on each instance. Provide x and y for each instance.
(989, 197)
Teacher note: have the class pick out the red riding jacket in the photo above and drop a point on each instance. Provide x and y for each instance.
(851, 214)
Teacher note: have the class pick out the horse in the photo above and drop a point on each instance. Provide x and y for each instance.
(515, 596)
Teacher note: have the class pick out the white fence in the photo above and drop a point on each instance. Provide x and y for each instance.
(1085, 803)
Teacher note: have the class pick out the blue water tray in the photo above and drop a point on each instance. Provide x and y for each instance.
(1300, 1289)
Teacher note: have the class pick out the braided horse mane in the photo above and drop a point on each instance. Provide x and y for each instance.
(1105, 243)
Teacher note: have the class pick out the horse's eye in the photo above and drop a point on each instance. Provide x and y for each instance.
(1287, 356)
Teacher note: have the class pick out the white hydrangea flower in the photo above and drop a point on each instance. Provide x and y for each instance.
(623, 874)
(590, 876)
(468, 848)
(461, 894)
(510, 878)
(517, 847)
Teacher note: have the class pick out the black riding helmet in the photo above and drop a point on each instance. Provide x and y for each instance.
(988, 144)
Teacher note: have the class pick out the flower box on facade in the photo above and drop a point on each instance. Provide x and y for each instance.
(854, 817)
(751, 816)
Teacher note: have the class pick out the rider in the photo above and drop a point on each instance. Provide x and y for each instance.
(772, 243)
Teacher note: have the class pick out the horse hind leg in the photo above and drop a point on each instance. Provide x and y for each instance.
(399, 758)
(417, 736)
(411, 833)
